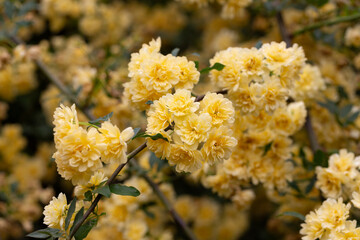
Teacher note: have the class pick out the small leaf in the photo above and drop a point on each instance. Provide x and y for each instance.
(70, 213)
(124, 190)
(258, 44)
(104, 190)
(267, 147)
(88, 196)
(352, 118)
(101, 119)
(294, 186)
(311, 185)
(85, 229)
(175, 52)
(27, 7)
(46, 233)
(78, 217)
(342, 93)
(39, 234)
(149, 102)
(330, 106)
(293, 214)
(196, 64)
(136, 132)
(217, 66)
(153, 137)
(320, 159)
(344, 111)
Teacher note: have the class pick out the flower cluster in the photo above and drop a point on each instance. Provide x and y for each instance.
(17, 72)
(81, 152)
(154, 75)
(330, 221)
(342, 176)
(259, 79)
(194, 132)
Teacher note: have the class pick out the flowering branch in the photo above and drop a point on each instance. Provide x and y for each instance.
(89, 115)
(110, 181)
(308, 124)
(329, 22)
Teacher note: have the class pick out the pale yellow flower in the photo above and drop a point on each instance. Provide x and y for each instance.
(219, 108)
(113, 142)
(219, 145)
(159, 116)
(181, 103)
(193, 128)
(186, 158)
(356, 199)
(55, 212)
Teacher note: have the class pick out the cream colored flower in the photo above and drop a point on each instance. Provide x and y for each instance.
(186, 158)
(194, 128)
(181, 103)
(356, 199)
(219, 145)
(113, 142)
(219, 108)
(55, 212)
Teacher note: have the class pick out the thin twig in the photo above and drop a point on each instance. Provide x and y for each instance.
(329, 22)
(308, 124)
(99, 196)
(167, 204)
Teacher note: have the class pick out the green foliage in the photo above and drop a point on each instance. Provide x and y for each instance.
(175, 52)
(103, 190)
(267, 147)
(46, 233)
(217, 66)
(124, 190)
(317, 3)
(70, 213)
(88, 196)
(85, 229)
(155, 160)
(343, 115)
(144, 135)
(98, 121)
(78, 217)
(293, 214)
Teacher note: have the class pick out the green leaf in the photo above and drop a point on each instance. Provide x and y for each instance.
(149, 102)
(46, 233)
(88, 196)
(70, 213)
(153, 137)
(104, 190)
(352, 118)
(124, 190)
(294, 186)
(311, 185)
(27, 7)
(175, 52)
(267, 147)
(320, 159)
(330, 106)
(101, 119)
(317, 3)
(293, 214)
(78, 217)
(9, 9)
(217, 66)
(344, 111)
(155, 160)
(196, 64)
(342, 93)
(85, 229)
(258, 44)
(136, 132)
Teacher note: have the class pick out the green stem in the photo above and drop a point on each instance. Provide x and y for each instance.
(329, 22)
